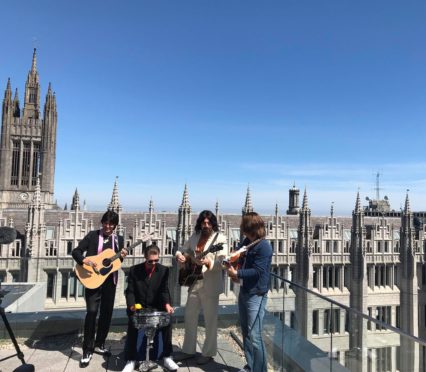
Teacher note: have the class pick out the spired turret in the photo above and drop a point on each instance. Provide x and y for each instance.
(32, 92)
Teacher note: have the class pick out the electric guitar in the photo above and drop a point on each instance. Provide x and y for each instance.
(192, 272)
(106, 262)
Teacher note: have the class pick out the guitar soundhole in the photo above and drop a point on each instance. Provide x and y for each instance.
(106, 262)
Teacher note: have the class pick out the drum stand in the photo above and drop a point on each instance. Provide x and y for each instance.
(147, 364)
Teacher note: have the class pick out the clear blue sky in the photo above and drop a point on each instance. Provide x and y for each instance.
(221, 94)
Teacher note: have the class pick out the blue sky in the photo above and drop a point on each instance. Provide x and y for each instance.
(222, 94)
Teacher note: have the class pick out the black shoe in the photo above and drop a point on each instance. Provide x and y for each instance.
(85, 359)
(102, 350)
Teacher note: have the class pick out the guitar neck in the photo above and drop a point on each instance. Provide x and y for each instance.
(253, 243)
(203, 254)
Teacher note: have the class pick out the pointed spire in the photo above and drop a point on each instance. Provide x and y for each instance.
(34, 63)
(332, 209)
(66, 207)
(305, 200)
(8, 91)
(49, 98)
(185, 198)
(407, 208)
(115, 203)
(276, 209)
(151, 206)
(37, 193)
(357, 203)
(16, 107)
(248, 207)
(75, 201)
(8, 86)
(217, 208)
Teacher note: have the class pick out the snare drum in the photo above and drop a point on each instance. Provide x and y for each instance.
(150, 319)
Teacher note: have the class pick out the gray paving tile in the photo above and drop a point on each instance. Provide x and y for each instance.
(62, 353)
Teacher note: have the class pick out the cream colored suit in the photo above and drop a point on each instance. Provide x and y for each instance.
(204, 294)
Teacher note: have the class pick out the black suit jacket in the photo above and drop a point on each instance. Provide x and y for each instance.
(149, 292)
(89, 246)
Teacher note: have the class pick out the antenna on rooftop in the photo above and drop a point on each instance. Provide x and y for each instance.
(377, 186)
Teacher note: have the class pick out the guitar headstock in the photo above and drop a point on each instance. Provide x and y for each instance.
(146, 237)
(215, 248)
(142, 239)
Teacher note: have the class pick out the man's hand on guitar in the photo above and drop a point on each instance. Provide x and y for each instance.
(87, 261)
(124, 252)
(204, 261)
(180, 258)
(232, 273)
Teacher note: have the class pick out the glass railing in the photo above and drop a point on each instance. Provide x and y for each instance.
(307, 331)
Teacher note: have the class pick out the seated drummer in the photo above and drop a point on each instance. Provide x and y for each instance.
(148, 286)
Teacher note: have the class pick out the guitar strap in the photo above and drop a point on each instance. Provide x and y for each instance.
(214, 239)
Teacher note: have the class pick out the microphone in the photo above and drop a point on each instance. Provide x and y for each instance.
(7, 235)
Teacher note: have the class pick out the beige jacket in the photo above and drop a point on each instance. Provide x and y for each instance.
(213, 277)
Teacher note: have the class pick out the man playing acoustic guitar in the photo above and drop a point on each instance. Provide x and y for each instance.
(204, 292)
(92, 244)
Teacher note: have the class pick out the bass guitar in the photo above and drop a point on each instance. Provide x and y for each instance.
(192, 272)
(105, 262)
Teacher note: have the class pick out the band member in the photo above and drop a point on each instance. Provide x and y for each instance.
(204, 293)
(102, 297)
(255, 267)
(148, 286)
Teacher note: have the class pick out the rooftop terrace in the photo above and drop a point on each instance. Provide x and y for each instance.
(62, 352)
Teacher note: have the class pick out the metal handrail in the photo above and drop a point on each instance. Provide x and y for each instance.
(347, 308)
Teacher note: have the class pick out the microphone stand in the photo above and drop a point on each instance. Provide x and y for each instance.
(25, 367)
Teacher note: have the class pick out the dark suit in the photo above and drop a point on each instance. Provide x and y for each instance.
(151, 292)
(102, 297)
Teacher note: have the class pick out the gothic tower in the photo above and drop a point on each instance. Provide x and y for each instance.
(248, 207)
(28, 145)
(184, 228)
(358, 291)
(183, 232)
(35, 236)
(304, 270)
(409, 290)
(115, 206)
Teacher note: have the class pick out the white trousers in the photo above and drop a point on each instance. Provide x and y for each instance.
(197, 300)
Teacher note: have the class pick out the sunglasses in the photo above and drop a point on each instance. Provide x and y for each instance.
(152, 261)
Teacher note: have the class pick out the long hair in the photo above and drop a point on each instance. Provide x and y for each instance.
(211, 217)
(252, 224)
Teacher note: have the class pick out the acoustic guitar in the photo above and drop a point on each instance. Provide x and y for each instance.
(191, 271)
(106, 262)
